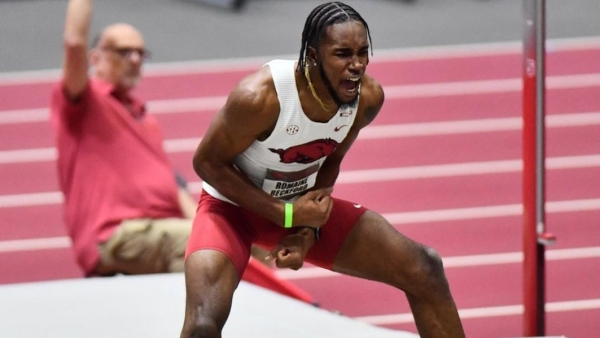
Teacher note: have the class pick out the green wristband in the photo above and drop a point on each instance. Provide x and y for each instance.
(289, 215)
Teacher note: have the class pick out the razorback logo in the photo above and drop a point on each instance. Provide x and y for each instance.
(307, 152)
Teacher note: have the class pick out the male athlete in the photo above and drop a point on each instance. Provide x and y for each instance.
(269, 161)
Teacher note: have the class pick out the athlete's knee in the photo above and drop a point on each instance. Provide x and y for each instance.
(200, 327)
(427, 272)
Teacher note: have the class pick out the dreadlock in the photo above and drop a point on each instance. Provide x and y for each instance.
(322, 17)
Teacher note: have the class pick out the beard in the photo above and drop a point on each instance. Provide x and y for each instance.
(341, 104)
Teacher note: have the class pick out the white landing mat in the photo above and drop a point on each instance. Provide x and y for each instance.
(153, 305)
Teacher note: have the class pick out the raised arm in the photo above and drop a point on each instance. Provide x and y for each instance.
(76, 39)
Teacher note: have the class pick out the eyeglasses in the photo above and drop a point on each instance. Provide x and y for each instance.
(126, 52)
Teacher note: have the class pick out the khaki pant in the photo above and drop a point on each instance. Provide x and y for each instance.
(143, 246)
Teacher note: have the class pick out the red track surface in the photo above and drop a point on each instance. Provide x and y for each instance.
(481, 246)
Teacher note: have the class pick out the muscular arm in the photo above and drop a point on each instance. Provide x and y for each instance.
(250, 111)
(372, 98)
(76, 35)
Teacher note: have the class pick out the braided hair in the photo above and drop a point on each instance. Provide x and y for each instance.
(322, 17)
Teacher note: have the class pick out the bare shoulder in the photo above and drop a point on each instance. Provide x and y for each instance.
(255, 94)
(371, 99)
(252, 107)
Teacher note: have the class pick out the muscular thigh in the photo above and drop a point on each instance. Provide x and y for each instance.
(343, 217)
(230, 229)
(375, 250)
(221, 226)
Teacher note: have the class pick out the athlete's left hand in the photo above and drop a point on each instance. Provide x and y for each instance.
(292, 249)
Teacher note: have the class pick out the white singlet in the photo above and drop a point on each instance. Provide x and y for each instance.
(286, 163)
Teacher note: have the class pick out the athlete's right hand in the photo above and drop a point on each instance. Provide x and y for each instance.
(313, 208)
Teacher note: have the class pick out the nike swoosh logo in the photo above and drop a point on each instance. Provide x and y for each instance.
(340, 127)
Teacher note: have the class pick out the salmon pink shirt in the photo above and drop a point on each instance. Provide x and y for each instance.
(111, 166)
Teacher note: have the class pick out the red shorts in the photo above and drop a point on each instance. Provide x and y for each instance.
(232, 230)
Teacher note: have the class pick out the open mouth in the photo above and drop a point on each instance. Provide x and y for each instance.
(350, 85)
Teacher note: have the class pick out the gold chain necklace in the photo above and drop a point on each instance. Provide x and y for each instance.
(312, 90)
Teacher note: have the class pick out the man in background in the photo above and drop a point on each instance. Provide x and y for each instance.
(123, 208)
